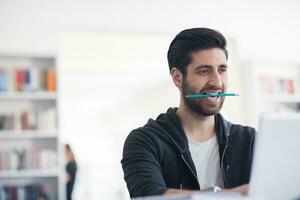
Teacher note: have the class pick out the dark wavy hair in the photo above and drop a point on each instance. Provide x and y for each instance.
(190, 40)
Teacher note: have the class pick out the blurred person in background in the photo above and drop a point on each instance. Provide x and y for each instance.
(71, 169)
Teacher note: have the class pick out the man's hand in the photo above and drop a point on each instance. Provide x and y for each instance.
(243, 189)
(176, 191)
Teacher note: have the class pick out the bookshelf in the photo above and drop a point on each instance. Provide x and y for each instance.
(28, 134)
(30, 150)
(16, 96)
(271, 87)
(29, 174)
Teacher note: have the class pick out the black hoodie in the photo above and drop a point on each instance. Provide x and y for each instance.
(156, 157)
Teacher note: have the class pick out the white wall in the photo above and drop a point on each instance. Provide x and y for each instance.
(265, 29)
(110, 83)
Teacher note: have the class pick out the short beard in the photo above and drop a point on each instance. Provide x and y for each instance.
(195, 105)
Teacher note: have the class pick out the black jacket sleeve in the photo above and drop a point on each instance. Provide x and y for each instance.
(142, 171)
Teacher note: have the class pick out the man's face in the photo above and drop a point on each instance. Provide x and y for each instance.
(207, 73)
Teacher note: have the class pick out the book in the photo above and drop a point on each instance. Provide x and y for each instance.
(35, 79)
(3, 80)
(276, 86)
(27, 159)
(29, 120)
(32, 191)
(19, 80)
(51, 86)
(27, 79)
(289, 84)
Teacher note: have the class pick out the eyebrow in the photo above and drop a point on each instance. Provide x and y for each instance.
(209, 66)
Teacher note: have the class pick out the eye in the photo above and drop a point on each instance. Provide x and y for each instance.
(202, 71)
(223, 69)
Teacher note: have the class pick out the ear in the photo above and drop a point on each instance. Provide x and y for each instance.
(177, 77)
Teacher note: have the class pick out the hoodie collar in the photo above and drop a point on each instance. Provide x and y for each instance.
(172, 123)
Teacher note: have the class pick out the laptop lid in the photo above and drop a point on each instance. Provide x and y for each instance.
(276, 164)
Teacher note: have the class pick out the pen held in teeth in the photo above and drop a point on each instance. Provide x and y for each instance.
(207, 95)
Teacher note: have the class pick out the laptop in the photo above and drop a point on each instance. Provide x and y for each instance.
(276, 164)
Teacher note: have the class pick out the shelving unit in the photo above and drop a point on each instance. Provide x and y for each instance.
(28, 135)
(30, 154)
(271, 87)
(16, 96)
(29, 174)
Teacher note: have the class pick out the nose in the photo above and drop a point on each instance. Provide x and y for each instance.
(215, 80)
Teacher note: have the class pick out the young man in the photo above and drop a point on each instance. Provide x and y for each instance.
(191, 147)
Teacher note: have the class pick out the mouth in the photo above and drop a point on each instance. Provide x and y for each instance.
(212, 94)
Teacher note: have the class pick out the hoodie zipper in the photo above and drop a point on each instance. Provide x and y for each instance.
(222, 160)
(222, 172)
(191, 170)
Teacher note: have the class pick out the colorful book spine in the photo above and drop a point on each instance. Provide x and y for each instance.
(28, 79)
(51, 86)
(19, 80)
(3, 80)
(277, 86)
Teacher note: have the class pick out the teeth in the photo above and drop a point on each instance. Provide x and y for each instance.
(212, 94)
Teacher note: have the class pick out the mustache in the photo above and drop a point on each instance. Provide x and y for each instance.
(211, 88)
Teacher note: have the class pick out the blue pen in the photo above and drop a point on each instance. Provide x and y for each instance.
(210, 95)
